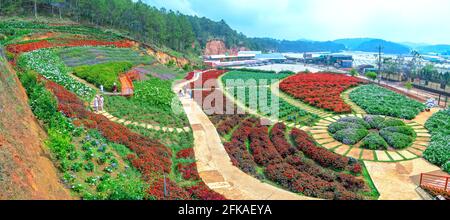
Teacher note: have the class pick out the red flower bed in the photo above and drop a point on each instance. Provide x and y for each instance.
(186, 153)
(189, 76)
(264, 152)
(188, 171)
(27, 47)
(322, 90)
(278, 139)
(322, 156)
(251, 145)
(205, 77)
(152, 158)
(287, 176)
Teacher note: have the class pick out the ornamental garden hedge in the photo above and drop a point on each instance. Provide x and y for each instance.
(373, 132)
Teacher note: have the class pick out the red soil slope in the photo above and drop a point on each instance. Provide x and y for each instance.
(26, 171)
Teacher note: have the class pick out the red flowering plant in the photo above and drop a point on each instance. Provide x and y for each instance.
(27, 47)
(151, 158)
(322, 90)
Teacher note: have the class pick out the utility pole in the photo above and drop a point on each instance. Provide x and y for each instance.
(380, 48)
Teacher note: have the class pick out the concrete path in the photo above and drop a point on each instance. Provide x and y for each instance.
(215, 167)
(399, 181)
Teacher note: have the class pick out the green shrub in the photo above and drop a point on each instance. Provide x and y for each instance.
(374, 121)
(446, 167)
(337, 126)
(439, 150)
(391, 122)
(401, 129)
(105, 74)
(355, 120)
(396, 140)
(374, 141)
(380, 101)
(350, 136)
(372, 75)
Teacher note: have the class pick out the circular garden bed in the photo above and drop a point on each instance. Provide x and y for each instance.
(373, 132)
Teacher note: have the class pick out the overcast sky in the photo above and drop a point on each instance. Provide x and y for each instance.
(420, 21)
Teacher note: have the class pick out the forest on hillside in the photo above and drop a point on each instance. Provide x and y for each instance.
(143, 22)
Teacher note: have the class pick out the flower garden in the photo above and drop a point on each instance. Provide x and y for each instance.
(100, 159)
(373, 132)
(262, 96)
(321, 90)
(291, 159)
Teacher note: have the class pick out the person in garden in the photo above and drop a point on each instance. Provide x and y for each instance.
(101, 88)
(96, 103)
(100, 102)
(114, 88)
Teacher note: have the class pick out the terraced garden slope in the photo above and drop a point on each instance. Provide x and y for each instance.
(97, 158)
(380, 101)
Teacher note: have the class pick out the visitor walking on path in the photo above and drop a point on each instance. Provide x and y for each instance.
(96, 103)
(100, 103)
(114, 88)
(101, 89)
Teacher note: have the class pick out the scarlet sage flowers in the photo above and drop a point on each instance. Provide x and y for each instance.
(322, 90)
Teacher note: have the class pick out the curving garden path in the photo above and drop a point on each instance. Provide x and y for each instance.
(346, 97)
(214, 165)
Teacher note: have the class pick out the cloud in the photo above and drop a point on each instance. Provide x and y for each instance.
(399, 20)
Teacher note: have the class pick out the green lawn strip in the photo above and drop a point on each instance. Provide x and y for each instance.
(374, 194)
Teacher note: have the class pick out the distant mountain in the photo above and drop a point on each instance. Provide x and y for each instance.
(298, 46)
(352, 43)
(413, 45)
(372, 44)
(388, 47)
(440, 49)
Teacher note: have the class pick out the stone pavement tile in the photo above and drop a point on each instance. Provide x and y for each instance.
(157, 128)
(321, 136)
(342, 150)
(382, 156)
(127, 123)
(424, 143)
(406, 154)
(368, 155)
(359, 115)
(187, 129)
(121, 121)
(149, 126)
(420, 147)
(421, 131)
(319, 131)
(355, 152)
(395, 156)
(415, 151)
(331, 145)
(319, 128)
(114, 119)
(423, 139)
(324, 141)
(423, 135)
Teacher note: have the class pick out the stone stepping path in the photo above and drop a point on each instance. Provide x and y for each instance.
(143, 125)
(346, 97)
(322, 137)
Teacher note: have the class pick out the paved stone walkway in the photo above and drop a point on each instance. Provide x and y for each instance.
(321, 135)
(215, 167)
(143, 125)
(399, 181)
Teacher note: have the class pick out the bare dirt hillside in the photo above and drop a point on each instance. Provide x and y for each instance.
(215, 47)
(26, 170)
